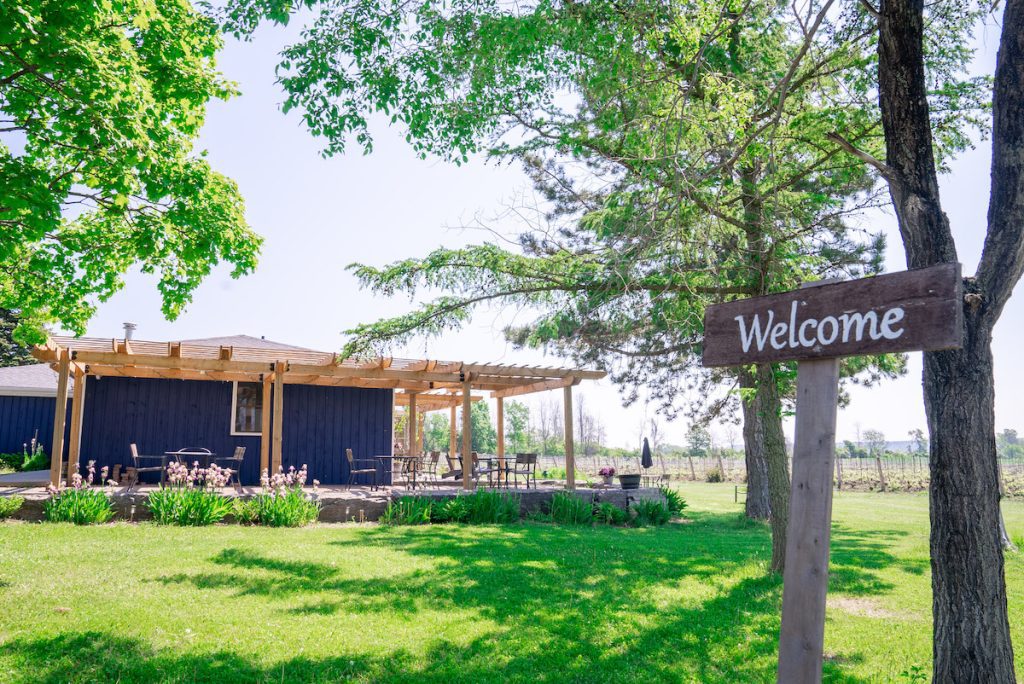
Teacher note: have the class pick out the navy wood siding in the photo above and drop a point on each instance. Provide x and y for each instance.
(165, 415)
(22, 417)
(321, 422)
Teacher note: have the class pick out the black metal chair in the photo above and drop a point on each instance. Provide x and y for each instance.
(429, 471)
(525, 465)
(235, 465)
(136, 463)
(354, 471)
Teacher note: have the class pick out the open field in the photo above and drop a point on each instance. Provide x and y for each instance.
(528, 602)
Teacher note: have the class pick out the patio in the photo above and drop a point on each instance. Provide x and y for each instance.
(417, 386)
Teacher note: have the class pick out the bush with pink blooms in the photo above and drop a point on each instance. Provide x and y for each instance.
(192, 496)
(282, 502)
(79, 503)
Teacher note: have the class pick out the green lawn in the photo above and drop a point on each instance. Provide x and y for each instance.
(527, 603)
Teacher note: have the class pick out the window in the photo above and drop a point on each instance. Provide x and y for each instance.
(246, 408)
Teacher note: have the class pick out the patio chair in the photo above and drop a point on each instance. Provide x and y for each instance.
(353, 470)
(455, 467)
(430, 467)
(234, 465)
(136, 463)
(525, 465)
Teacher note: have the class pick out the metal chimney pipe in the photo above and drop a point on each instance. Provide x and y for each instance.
(129, 328)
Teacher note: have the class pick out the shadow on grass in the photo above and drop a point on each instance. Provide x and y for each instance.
(678, 604)
(858, 555)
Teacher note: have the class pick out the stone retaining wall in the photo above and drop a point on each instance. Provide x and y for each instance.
(362, 505)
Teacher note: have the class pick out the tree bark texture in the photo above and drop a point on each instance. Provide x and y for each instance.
(971, 626)
(758, 506)
(762, 430)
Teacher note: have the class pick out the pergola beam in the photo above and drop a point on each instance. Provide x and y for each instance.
(536, 387)
(196, 361)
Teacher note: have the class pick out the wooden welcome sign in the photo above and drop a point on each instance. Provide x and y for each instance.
(919, 309)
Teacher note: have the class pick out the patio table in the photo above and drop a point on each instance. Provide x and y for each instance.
(190, 455)
(403, 459)
(494, 464)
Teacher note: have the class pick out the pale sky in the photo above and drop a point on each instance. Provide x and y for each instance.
(318, 215)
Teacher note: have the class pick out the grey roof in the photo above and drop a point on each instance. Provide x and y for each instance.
(38, 379)
(243, 341)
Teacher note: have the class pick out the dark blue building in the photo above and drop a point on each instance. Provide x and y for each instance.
(160, 415)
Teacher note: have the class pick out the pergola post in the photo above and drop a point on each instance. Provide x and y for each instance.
(412, 425)
(77, 406)
(59, 415)
(276, 461)
(453, 445)
(570, 456)
(467, 436)
(265, 413)
(501, 436)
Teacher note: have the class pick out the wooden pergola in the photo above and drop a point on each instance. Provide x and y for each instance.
(418, 384)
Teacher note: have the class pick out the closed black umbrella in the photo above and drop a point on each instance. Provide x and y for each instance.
(645, 455)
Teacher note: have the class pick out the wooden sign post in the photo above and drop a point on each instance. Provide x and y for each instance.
(816, 326)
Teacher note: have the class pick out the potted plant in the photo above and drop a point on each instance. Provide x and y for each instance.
(607, 473)
(629, 480)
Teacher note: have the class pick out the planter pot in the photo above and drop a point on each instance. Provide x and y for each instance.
(631, 481)
(608, 479)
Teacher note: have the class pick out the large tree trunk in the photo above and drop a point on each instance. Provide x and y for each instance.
(972, 629)
(763, 432)
(758, 506)
(770, 406)
(971, 626)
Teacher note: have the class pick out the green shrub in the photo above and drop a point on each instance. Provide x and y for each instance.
(286, 509)
(281, 503)
(192, 498)
(81, 506)
(9, 505)
(676, 502)
(482, 507)
(610, 514)
(177, 505)
(408, 510)
(80, 503)
(492, 508)
(245, 511)
(11, 461)
(35, 458)
(648, 513)
(537, 515)
(714, 475)
(454, 510)
(568, 509)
